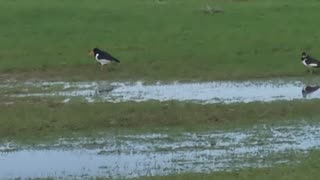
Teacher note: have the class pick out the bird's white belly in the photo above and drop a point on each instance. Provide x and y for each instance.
(309, 65)
(304, 63)
(103, 61)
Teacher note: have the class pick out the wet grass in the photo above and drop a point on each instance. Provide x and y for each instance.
(308, 168)
(175, 40)
(13, 89)
(39, 117)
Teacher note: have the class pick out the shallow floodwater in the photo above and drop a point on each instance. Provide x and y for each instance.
(158, 154)
(204, 92)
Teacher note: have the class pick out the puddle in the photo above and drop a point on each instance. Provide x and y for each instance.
(204, 93)
(129, 156)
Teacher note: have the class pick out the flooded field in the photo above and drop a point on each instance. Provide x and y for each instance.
(204, 93)
(165, 152)
(161, 153)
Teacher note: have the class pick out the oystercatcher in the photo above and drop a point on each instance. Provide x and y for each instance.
(309, 61)
(102, 56)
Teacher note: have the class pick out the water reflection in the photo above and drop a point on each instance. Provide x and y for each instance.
(309, 89)
(198, 92)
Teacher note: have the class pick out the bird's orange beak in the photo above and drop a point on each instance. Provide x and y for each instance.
(91, 53)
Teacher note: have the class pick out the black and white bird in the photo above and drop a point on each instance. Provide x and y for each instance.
(309, 61)
(308, 90)
(103, 57)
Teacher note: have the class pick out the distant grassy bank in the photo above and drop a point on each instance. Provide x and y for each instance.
(174, 39)
(38, 117)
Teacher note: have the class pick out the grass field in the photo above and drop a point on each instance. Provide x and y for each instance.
(157, 40)
(172, 40)
(36, 118)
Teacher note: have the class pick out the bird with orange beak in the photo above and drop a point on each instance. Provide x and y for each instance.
(102, 57)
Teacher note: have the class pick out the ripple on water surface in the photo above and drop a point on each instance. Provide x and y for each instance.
(128, 156)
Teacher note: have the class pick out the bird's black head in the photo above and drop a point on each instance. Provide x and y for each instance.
(304, 55)
(94, 51)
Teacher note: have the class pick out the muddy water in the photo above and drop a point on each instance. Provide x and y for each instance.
(204, 93)
(135, 155)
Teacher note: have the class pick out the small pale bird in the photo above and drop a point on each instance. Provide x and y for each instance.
(103, 57)
(309, 61)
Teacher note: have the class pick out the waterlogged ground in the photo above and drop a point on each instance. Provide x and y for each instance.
(167, 151)
(204, 92)
(163, 153)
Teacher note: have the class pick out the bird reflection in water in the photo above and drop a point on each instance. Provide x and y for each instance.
(308, 90)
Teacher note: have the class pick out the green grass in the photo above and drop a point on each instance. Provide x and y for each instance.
(174, 40)
(38, 117)
(309, 168)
